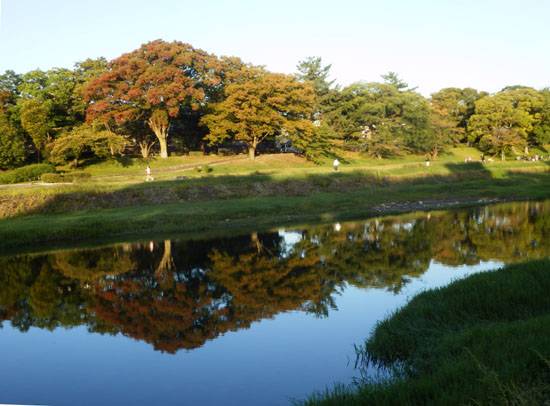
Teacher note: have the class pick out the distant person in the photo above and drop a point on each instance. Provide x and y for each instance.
(336, 163)
(427, 161)
(149, 177)
(482, 158)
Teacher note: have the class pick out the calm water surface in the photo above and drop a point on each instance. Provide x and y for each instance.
(254, 319)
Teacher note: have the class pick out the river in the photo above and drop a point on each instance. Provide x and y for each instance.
(253, 319)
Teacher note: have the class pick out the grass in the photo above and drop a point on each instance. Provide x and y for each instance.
(481, 340)
(243, 193)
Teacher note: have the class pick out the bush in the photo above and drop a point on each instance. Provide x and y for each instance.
(26, 173)
(52, 178)
(65, 177)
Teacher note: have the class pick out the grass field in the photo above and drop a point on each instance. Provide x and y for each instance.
(239, 192)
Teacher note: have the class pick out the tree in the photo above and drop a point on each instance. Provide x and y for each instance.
(12, 144)
(261, 106)
(455, 106)
(541, 130)
(500, 123)
(72, 144)
(153, 84)
(311, 70)
(84, 73)
(381, 118)
(35, 119)
(444, 124)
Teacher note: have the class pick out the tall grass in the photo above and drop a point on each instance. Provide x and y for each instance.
(481, 340)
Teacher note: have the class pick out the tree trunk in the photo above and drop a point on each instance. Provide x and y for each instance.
(145, 148)
(502, 156)
(526, 150)
(161, 132)
(435, 152)
(252, 148)
(166, 265)
(163, 146)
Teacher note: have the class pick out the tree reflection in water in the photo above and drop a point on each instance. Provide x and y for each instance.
(178, 294)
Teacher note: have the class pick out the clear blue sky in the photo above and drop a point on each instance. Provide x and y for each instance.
(432, 44)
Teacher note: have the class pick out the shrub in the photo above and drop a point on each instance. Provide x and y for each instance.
(27, 173)
(65, 177)
(52, 178)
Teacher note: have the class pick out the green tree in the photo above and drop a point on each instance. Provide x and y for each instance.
(84, 73)
(73, 143)
(541, 130)
(311, 70)
(36, 121)
(262, 106)
(456, 106)
(500, 123)
(12, 144)
(153, 84)
(381, 117)
(444, 125)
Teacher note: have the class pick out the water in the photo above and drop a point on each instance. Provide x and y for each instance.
(251, 320)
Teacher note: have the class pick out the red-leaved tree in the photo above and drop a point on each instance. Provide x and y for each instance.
(153, 84)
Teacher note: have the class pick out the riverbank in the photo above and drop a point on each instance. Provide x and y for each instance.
(262, 212)
(481, 340)
(298, 193)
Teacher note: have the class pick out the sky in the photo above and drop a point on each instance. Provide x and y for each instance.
(430, 44)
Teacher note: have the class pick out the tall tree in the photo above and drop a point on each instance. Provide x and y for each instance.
(500, 123)
(541, 130)
(153, 84)
(262, 106)
(456, 106)
(311, 70)
(382, 118)
(36, 121)
(12, 144)
(445, 124)
(84, 73)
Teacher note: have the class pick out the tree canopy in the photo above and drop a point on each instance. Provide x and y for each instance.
(262, 106)
(154, 83)
(171, 95)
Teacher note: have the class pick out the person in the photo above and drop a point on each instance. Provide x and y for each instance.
(482, 158)
(336, 163)
(427, 161)
(149, 177)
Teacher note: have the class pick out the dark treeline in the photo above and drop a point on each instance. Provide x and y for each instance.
(171, 96)
(178, 294)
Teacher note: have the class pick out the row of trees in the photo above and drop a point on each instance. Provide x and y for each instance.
(173, 93)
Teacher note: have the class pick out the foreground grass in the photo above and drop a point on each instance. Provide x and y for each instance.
(481, 340)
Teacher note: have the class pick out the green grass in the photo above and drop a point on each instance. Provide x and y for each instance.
(481, 340)
(263, 192)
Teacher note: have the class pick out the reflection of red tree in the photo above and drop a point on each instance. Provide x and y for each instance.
(173, 311)
(168, 313)
(170, 318)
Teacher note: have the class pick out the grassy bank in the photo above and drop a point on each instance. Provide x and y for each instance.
(273, 190)
(481, 340)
